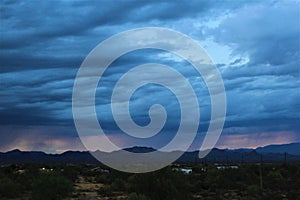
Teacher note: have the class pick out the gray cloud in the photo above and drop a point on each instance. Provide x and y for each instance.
(43, 45)
(270, 35)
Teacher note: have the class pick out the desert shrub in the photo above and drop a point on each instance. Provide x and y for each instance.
(105, 191)
(9, 188)
(164, 184)
(118, 185)
(135, 196)
(51, 187)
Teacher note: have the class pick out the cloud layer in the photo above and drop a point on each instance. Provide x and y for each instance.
(254, 44)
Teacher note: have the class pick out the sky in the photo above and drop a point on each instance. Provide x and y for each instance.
(254, 44)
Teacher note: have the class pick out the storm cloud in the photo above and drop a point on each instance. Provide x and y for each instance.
(254, 44)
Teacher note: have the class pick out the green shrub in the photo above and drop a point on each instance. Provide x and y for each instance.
(9, 188)
(105, 191)
(51, 187)
(135, 196)
(164, 184)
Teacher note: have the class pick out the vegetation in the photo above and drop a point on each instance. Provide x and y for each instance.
(37, 181)
(51, 187)
(8, 188)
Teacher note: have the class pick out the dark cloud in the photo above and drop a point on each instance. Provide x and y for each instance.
(23, 26)
(43, 44)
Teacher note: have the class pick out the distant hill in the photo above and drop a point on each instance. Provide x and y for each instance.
(267, 154)
(140, 149)
(293, 148)
(17, 156)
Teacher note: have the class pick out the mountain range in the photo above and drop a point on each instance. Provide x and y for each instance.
(267, 154)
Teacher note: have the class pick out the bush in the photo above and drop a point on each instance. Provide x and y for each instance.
(51, 187)
(135, 196)
(164, 184)
(105, 191)
(9, 188)
(118, 185)
(253, 190)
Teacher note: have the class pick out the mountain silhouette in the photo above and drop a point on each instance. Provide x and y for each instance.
(293, 148)
(267, 154)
